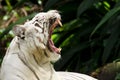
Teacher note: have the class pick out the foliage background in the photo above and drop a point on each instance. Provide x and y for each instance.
(89, 38)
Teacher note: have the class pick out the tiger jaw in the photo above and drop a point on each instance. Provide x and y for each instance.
(50, 42)
(53, 48)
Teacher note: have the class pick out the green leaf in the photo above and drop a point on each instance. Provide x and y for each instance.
(106, 18)
(111, 42)
(117, 77)
(20, 2)
(84, 6)
(8, 5)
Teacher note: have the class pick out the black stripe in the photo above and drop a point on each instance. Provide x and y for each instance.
(28, 65)
(35, 59)
(37, 25)
(38, 49)
(20, 77)
(46, 54)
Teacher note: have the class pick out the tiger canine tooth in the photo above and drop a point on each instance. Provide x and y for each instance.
(59, 49)
(59, 22)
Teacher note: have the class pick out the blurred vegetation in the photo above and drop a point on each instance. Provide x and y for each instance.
(89, 38)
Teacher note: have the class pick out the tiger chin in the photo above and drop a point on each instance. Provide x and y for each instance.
(32, 50)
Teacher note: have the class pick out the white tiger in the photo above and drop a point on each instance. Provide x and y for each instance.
(30, 53)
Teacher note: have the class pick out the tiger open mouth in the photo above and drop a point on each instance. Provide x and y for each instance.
(50, 41)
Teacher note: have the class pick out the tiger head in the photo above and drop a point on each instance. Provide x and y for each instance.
(35, 35)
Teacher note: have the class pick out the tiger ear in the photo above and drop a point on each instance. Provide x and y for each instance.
(19, 30)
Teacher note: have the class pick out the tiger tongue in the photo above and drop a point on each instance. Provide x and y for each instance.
(51, 44)
(53, 48)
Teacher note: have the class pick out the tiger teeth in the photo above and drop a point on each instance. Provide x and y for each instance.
(59, 22)
(59, 49)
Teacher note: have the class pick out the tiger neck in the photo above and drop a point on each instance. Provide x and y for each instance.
(39, 63)
(43, 71)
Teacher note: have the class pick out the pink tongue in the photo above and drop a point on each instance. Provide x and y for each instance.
(53, 48)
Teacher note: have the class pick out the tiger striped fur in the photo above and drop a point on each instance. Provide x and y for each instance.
(31, 52)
